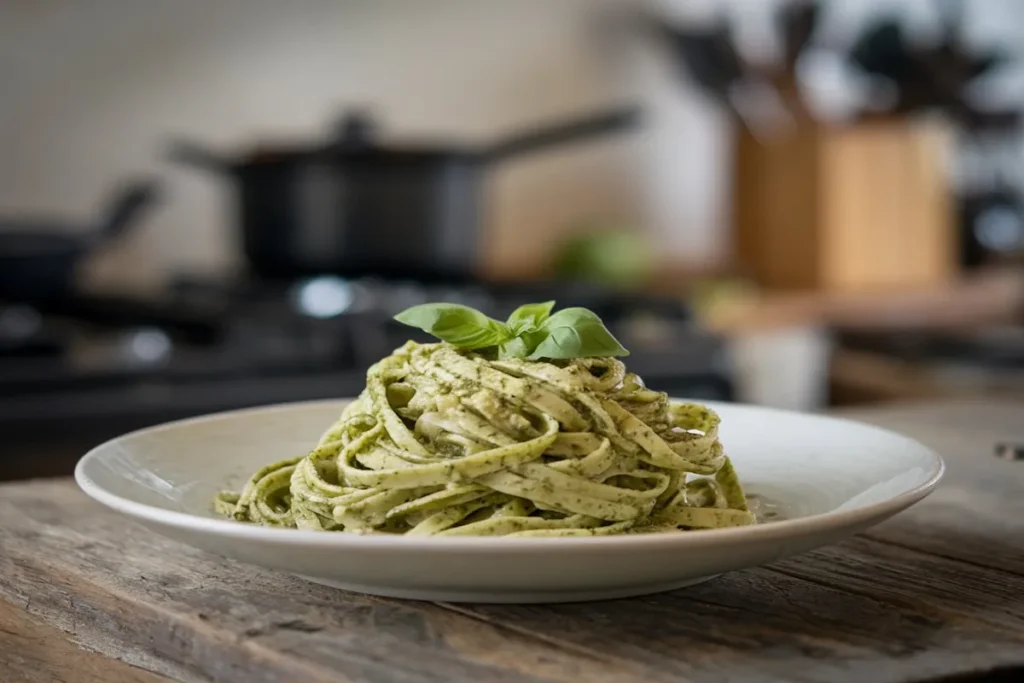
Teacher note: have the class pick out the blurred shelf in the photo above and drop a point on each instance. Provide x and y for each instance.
(985, 298)
(863, 377)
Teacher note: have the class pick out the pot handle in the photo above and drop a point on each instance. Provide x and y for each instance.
(125, 208)
(577, 130)
(191, 154)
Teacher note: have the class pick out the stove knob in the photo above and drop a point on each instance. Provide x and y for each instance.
(146, 346)
(323, 297)
(18, 323)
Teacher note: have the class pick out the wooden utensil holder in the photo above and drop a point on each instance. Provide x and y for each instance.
(861, 207)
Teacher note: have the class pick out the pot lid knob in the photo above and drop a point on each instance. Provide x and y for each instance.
(356, 130)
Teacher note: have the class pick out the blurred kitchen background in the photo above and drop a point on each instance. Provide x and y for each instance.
(210, 205)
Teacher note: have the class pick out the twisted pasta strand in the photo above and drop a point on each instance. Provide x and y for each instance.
(446, 442)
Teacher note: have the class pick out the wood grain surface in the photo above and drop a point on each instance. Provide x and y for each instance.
(936, 592)
(33, 651)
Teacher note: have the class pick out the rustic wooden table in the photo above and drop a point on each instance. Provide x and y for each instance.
(937, 593)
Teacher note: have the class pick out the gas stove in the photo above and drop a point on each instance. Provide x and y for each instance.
(83, 370)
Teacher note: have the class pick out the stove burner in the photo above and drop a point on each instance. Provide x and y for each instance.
(91, 367)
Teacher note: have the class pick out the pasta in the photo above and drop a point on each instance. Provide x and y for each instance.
(449, 442)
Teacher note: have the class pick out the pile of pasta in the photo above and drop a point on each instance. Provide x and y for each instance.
(448, 442)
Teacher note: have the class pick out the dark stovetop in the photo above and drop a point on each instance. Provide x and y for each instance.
(86, 370)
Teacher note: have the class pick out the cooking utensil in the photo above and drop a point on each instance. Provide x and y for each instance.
(709, 57)
(936, 76)
(355, 206)
(796, 23)
(952, 65)
(38, 256)
(883, 52)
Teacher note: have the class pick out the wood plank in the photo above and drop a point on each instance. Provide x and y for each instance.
(190, 616)
(977, 513)
(958, 523)
(162, 605)
(33, 652)
(770, 624)
(935, 592)
(932, 585)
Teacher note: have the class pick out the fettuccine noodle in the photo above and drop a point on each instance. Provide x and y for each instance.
(445, 442)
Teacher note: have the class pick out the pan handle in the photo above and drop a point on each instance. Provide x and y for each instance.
(124, 209)
(191, 154)
(578, 130)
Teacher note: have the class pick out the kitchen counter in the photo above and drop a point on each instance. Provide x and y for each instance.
(984, 298)
(936, 593)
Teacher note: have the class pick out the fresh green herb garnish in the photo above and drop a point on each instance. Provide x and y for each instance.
(576, 333)
(531, 332)
(529, 316)
(461, 326)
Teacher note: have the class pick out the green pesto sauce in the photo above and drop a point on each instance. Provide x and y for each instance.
(671, 475)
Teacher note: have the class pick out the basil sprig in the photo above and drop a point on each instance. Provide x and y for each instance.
(531, 332)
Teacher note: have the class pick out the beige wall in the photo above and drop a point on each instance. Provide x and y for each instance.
(93, 89)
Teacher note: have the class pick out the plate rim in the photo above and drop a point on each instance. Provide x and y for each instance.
(489, 544)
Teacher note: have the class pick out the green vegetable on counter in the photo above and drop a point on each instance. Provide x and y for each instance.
(613, 258)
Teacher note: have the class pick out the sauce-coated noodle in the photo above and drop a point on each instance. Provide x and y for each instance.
(446, 442)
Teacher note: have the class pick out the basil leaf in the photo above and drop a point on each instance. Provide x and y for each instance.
(531, 332)
(523, 345)
(576, 333)
(460, 326)
(529, 316)
(513, 348)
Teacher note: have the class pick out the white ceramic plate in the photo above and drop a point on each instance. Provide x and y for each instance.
(824, 478)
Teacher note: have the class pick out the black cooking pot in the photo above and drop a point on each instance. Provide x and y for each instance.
(355, 207)
(39, 257)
